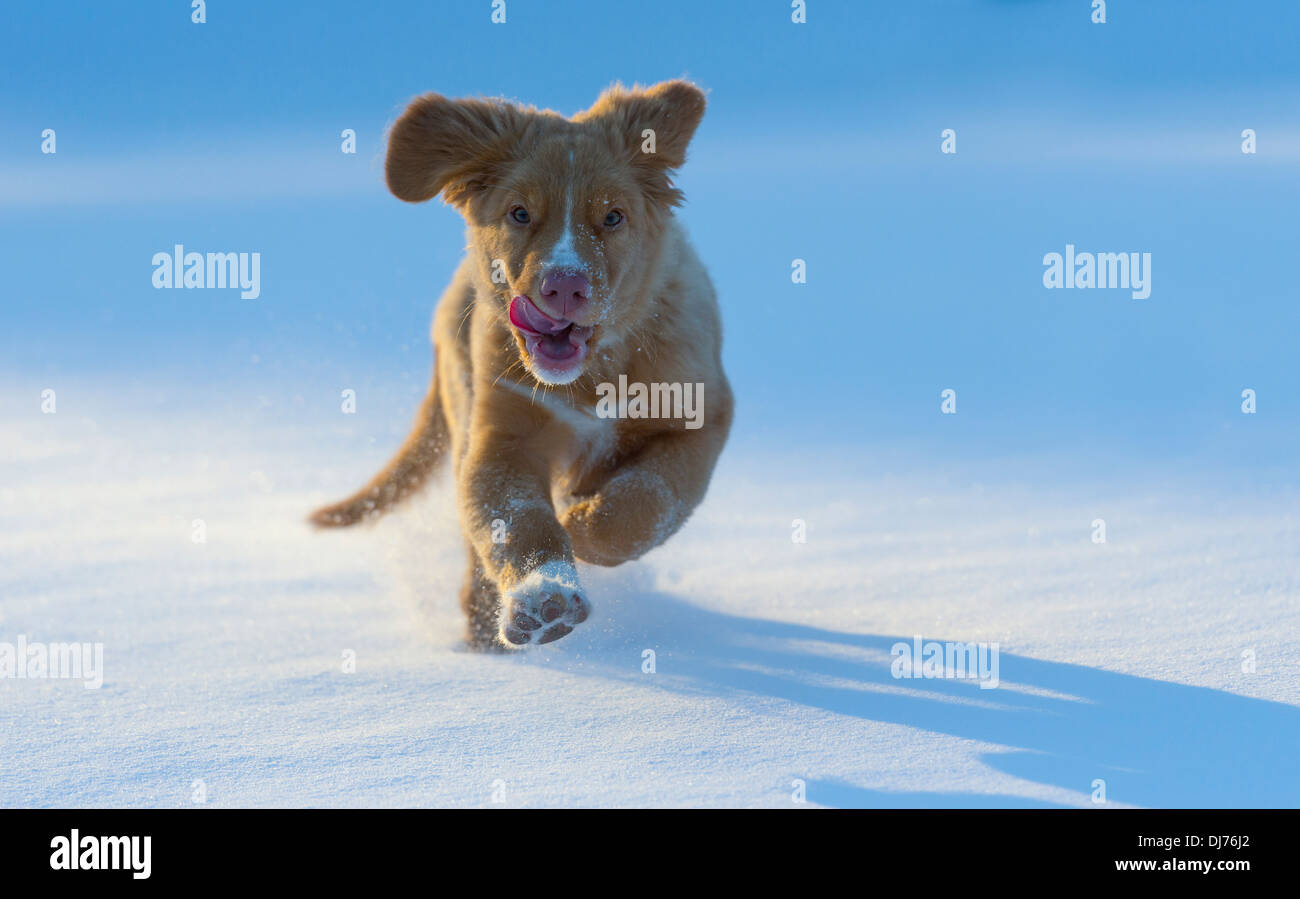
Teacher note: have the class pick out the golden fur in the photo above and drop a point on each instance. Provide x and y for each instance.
(540, 479)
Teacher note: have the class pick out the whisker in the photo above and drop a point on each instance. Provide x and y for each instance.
(464, 318)
(506, 371)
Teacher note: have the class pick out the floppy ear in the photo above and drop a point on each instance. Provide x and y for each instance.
(449, 146)
(652, 126)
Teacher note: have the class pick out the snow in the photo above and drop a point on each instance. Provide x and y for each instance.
(224, 660)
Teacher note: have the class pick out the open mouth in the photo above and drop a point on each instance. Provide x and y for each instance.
(556, 345)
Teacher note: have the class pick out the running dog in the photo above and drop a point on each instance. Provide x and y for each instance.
(577, 272)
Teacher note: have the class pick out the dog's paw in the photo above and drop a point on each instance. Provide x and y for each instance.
(545, 606)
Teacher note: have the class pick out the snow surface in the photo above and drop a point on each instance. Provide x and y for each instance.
(224, 660)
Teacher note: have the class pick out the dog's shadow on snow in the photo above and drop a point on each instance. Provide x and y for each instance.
(1154, 743)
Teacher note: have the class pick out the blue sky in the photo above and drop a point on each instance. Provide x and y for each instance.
(821, 142)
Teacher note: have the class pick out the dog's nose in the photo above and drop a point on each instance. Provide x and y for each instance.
(565, 292)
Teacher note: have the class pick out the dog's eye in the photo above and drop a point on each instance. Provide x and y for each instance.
(613, 219)
(520, 215)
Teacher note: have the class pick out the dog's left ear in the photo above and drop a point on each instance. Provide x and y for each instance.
(653, 127)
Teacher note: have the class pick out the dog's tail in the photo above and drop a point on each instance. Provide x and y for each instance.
(403, 476)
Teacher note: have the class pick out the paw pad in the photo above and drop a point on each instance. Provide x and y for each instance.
(543, 607)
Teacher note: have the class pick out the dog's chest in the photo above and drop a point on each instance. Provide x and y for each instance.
(591, 438)
(579, 435)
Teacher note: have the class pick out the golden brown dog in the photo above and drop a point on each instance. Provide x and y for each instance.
(577, 273)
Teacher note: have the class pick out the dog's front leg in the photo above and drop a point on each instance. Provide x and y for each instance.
(621, 514)
(508, 516)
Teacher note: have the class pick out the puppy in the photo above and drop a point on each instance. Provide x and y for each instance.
(577, 273)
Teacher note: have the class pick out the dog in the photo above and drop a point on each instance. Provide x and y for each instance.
(577, 275)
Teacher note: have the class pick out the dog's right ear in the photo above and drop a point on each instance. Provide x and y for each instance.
(452, 146)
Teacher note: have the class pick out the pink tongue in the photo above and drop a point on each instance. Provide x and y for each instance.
(527, 317)
(557, 346)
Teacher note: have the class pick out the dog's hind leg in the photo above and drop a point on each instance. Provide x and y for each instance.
(482, 605)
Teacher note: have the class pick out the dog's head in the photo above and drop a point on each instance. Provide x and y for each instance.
(566, 216)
